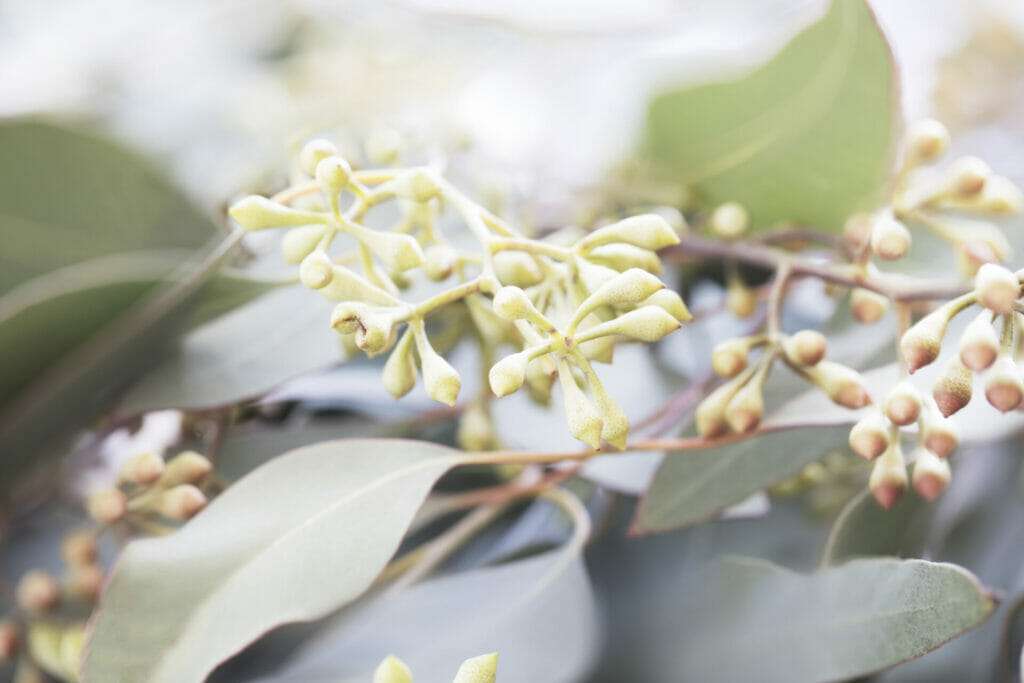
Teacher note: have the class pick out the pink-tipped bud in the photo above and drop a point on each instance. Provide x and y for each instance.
(37, 592)
(181, 502)
(10, 641)
(729, 358)
(952, 390)
(931, 474)
(843, 385)
(806, 347)
(143, 469)
(85, 582)
(997, 288)
(888, 478)
(188, 467)
(979, 344)
(890, 239)
(79, 548)
(967, 176)
(745, 410)
(920, 344)
(867, 306)
(710, 415)
(926, 140)
(1004, 387)
(939, 436)
(903, 404)
(869, 437)
(107, 506)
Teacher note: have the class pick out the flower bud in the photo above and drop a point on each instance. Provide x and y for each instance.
(729, 221)
(931, 474)
(392, 670)
(476, 430)
(482, 669)
(967, 176)
(313, 152)
(869, 437)
(79, 548)
(857, 232)
(383, 145)
(890, 239)
(979, 344)
(622, 257)
(647, 231)
(729, 358)
(952, 390)
(418, 185)
(624, 290)
(746, 408)
(710, 415)
(337, 283)
(187, 467)
(333, 174)
(374, 328)
(10, 641)
(593, 275)
(843, 385)
(258, 213)
(37, 592)
(939, 436)
(181, 502)
(997, 288)
(439, 261)
(903, 404)
(108, 506)
(1001, 196)
(920, 344)
(298, 243)
(399, 374)
(888, 478)
(582, 417)
(518, 268)
(867, 306)
(806, 347)
(397, 251)
(142, 469)
(646, 324)
(740, 299)
(671, 303)
(1004, 387)
(512, 303)
(540, 377)
(926, 140)
(440, 379)
(508, 374)
(85, 582)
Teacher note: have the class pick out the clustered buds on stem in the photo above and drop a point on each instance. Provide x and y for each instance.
(482, 669)
(562, 306)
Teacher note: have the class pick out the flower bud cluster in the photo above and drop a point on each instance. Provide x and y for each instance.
(562, 305)
(737, 406)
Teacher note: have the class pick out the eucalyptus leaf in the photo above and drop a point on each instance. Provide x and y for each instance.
(538, 612)
(807, 137)
(864, 528)
(307, 533)
(767, 623)
(693, 486)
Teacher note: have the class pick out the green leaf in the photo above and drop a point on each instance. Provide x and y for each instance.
(767, 623)
(242, 354)
(865, 529)
(807, 137)
(538, 612)
(693, 486)
(307, 533)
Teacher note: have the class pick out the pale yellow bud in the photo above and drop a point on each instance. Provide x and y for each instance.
(85, 582)
(967, 176)
(517, 268)
(920, 344)
(181, 502)
(540, 377)
(646, 324)
(187, 467)
(806, 347)
(952, 390)
(508, 374)
(439, 261)
(108, 506)
(997, 288)
(512, 303)
(374, 328)
(740, 299)
(672, 304)
(383, 145)
(583, 419)
(313, 152)
(482, 669)
(931, 474)
(418, 185)
(337, 283)
(746, 408)
(624, 290)
(440, 379)
(492, 327)
(888, 478)
(392, 670)
(710, 414)
(729, 220)
(979, 344)
(843, 385)
(869, 437)
(298, 243)
(625, 256)
(10, 641)
(258, 213)
(399, 374)
(926, 141)
(1001, 196)
(333, 174)
(1004, 387)
(903, 404)
(37, 592)
(142, 469)
(857, 232)
(397, 251)
(890, 239)
(647, 231)
(615, 424)
(729, 358)
(939, 435)
(79, 548)
(476, 430)
(867, 306)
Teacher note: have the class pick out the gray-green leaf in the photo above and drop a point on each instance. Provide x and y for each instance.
(864, 529)
(807, 137)
(294, 540)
